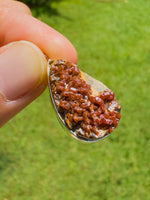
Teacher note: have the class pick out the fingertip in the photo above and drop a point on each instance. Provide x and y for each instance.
(50, 41)
(22, 68)
(61, 48)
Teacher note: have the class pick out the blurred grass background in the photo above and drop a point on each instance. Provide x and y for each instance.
(39, 161)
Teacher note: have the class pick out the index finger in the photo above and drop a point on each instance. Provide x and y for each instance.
(17, 25)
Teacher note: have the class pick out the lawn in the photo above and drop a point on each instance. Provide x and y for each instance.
(39, 161)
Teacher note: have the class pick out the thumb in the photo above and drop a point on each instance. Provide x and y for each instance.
(22, 77)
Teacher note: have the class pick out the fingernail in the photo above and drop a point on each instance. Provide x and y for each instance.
(22, 68)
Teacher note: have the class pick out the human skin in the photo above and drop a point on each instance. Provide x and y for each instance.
(24, 42)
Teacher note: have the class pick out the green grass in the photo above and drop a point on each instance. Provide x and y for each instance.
(39, 161)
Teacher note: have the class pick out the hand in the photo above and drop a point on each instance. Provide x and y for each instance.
(23, 66)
